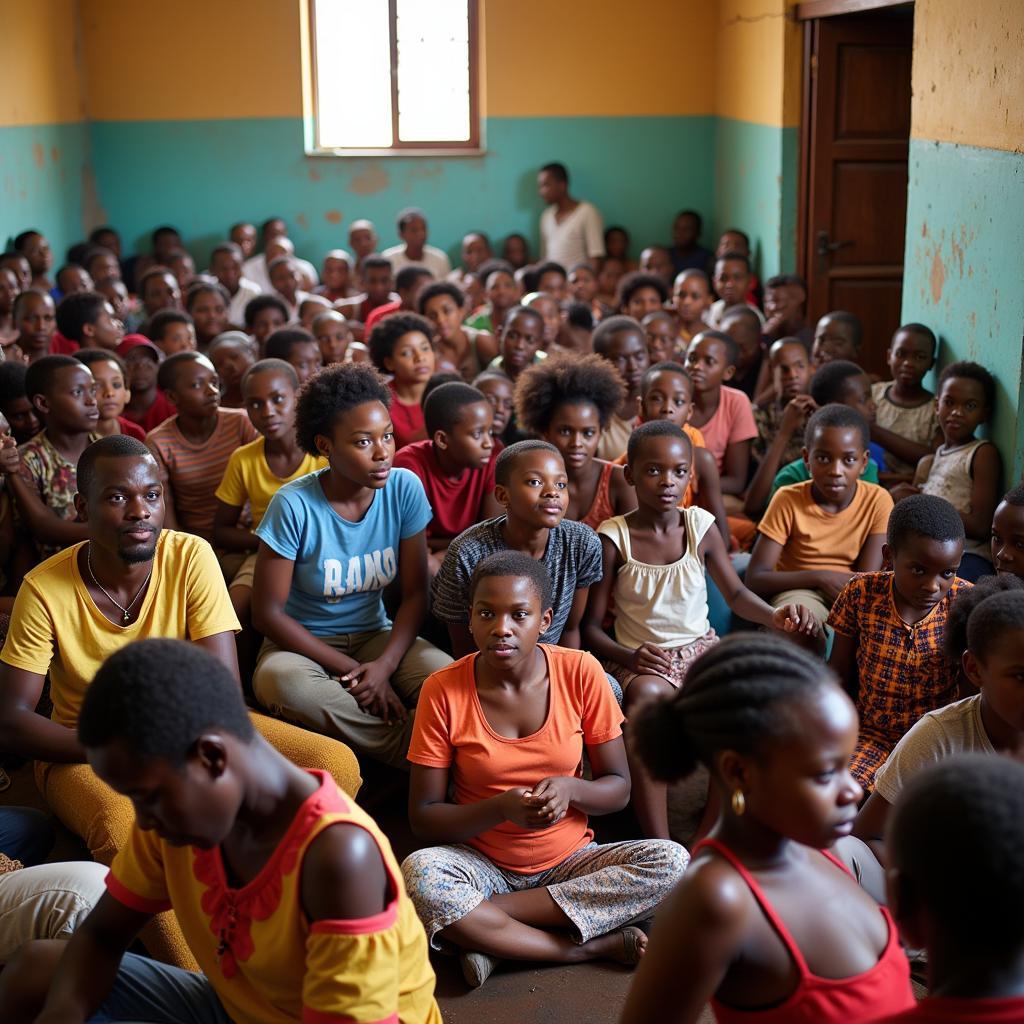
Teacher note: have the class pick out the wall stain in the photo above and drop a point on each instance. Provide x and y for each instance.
(937, 276)
(370, 181)
(333, 216)
(302, 220)
(314, 174)
(38, 155)
(54, 154)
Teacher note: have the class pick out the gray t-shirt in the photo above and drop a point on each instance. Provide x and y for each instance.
(572, 558)
(955, 729)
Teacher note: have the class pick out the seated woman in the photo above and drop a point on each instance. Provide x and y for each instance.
(520, 876)
(330, 542)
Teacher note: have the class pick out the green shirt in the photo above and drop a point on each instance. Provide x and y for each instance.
(797, 472)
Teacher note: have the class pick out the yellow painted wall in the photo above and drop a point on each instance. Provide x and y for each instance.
(968, 73)
(599, 57)
(191, 59)
(199, 60)
(759, 61)
(39, 81)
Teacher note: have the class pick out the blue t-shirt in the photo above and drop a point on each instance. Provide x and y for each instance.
(342, 568)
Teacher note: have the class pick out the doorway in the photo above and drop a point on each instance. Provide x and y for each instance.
(853, 184)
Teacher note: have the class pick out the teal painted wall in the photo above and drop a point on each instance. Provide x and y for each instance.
(639, 171)
(756, 189)
(44, 174)
(964, 269)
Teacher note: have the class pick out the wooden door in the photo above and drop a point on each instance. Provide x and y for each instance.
(855, 200)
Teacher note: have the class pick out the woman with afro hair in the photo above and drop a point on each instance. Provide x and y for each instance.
(568, 401)
(330, 543)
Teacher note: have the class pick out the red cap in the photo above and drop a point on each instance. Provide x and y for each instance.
(138, 341)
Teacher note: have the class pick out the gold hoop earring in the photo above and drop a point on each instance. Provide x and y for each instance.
(739, 802)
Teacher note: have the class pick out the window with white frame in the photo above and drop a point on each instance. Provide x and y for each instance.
(394, 75)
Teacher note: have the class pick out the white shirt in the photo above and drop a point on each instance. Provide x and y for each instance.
(247, 290)
(579, 237)
(714, 316)
(433, 259)
(255, 269)
(955, 729)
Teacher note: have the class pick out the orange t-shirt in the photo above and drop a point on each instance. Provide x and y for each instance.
(692, 485)
(814, 540)
(452, 731)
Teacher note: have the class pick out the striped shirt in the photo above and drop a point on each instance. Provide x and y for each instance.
(194, 471)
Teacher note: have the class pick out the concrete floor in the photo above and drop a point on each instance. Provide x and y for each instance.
(591, 993)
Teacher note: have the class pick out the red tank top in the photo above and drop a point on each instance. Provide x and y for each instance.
(884, 989)
(601, 508)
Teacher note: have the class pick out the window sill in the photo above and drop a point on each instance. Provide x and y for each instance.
(388, 153)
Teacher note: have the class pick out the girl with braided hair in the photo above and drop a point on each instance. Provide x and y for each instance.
(767, 923)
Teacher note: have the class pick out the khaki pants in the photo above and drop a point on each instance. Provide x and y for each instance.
(103, 818)
(301, 690)
(47, 902)
(813, 600)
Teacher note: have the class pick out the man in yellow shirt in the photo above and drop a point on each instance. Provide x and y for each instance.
(129, 581)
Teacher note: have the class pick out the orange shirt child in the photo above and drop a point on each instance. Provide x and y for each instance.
(452, 731)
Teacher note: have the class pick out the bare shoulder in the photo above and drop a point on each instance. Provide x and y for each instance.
(344, 876)
(713, 895)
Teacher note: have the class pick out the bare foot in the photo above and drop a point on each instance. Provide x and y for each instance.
(623, 946)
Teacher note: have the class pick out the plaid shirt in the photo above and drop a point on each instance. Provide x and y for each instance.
(768, 419)
(902, 670)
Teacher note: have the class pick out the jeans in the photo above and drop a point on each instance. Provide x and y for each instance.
(146, 990)
(25, 834)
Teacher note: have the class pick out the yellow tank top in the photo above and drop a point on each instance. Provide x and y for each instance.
(267, 963)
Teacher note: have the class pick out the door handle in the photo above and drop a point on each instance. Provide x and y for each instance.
(826, 247)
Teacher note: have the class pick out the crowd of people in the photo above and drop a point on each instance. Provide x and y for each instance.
(547, 534)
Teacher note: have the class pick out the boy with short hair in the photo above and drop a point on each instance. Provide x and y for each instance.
(838, 382)
(906, 423)
(1007, 531)
(454, 464)
(333, 335)
(288, 894)
(172, 331)
(148, 406)
(817, 534)
(264, 315)
(112, 394)
(781, 420)
(64, 394)
(890, 626)
(256, 471)
(621, 340)
(297, 347)
(532, 486)
(192, 448)
(723, 414)
(753, 374)
(732, 281)
(691, 296)
(969, 921)
(15, 406)
(409, 283)
(36, 321)
(520, 340)
(662, 336)
(838, 335)
(785, 308)
(412, 229)
(226, 265)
